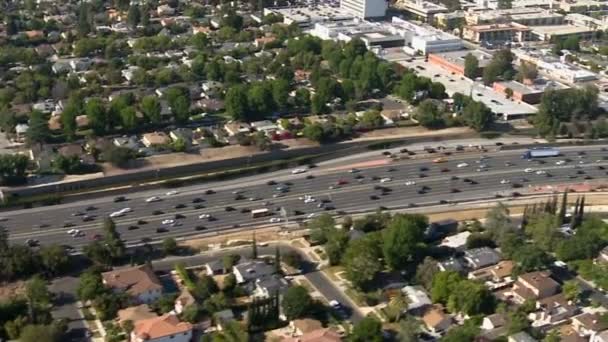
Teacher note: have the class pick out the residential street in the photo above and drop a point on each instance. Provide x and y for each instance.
(65, 287)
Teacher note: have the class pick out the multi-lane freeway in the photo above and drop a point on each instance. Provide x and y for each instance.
(337, 190)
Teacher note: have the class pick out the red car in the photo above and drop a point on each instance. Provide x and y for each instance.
(342, 182)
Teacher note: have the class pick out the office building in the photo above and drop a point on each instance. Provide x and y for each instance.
(365, 8)
(423, 10)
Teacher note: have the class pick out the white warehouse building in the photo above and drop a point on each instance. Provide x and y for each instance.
(425, 39)
(365, 8)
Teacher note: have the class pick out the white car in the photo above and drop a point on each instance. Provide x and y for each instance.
(541, 172)
(310, 200)
(172, 192)
(296, 171)
(386, 180)
(311, 215)
(153, 199)
(168, 221)
(126, 210)
(353, 170)
(277, 195)
(461, 165)
(275, 220)
(72, 231)
(411, 182)
(560, 162)
(117, 214)
(505, 181)
(528, 170)
(78, 234)
(204, 216)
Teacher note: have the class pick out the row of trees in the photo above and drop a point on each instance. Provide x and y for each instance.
(561, 106)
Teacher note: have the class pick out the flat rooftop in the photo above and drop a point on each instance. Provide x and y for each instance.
(456, 84)
(560, 29)
(457, 57)
(497, 27)
(538, 87)
(422, 6)
(311, 13)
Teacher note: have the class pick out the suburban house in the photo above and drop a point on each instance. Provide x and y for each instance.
(534, 285)
(214, 267)
(553, 310)
(439, 229)
(436, 320)
(236, 127)
(269, 285)
(139, 282)
(588, 324)
(451, 264)
(418, 300)
(304, 326)
(182, 133)
(135, 313)
(155, 139)
(481, 257)
(456, 241)
(521, 336)
(252, 270)
(184, 299)
(494, 276)
(319, 335)
(164, 328)
(264, 126)
(494, 321)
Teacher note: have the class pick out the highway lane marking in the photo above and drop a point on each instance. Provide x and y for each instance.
(342, 190)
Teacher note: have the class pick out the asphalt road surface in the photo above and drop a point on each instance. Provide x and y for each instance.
(342, 192)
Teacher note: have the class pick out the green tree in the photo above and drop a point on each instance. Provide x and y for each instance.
(280, 93)
(408, 330)
(337, 240)
(134, 16)
(471, 298)
(542, 229)
(296, 302)
(38, 296)
(232, 332)
(443, 286)
(90, 285)
(302, 98)
(150, 106)
(41, 333)
(118, 156)
(38, 131)
(368, 329)
(425, 272)
(572, 290)
(68, 120)
(111, 238)
(128, 117)
(12, 168)
(402, 240)
(180, 108)
(362, 261)
(477, 116)
(236, 103)
(429, 115)
(170, 246)
(205, 287)
(96, 113)
(471, 66)
(54, 258)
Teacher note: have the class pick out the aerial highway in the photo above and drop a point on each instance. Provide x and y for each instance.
(303, 194)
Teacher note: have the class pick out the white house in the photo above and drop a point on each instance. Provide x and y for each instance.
(252, 270)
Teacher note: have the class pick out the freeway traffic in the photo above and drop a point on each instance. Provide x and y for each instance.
(218, 206)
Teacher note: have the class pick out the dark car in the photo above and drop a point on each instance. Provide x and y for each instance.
(421, 175)
(199, 227)
(197, 200)
(180, 206)
(199, 206)
(271, 182)
(454, 178)
(445, 169)
(90, 208)
(391, 169)
(516, 185)
(132, 227)
(142, 222)
(601, 168)
(359, 176)
(498, 196)
(209, 192)
(298, 212)
(229, 209)
(588, 177)
(179, 216)
(454, 190)
(421, 192)
(119, 199)
(473, 182)
(443, 201)
(580, 172)
(239, 197)
(515, 194)
(162, 230)
(87, 218)
(68, 224)
(310, 176)
(157, 212)
(423, 169)
(245, 210)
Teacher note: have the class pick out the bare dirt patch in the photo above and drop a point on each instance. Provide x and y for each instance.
(9, 290)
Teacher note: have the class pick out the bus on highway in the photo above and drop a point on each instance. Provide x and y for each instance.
(541, 153)
(259, 212)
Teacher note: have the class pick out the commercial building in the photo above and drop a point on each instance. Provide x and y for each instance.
(450, 21)
(554, 67)
(582, 20)
(306, 17)
(372, 34)
(365, 8)
(550, 33)
(530, 92)
(524, 16)
(454, 61)
(423, 10)
(496, 33)
(583, 6)
(425, 39)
